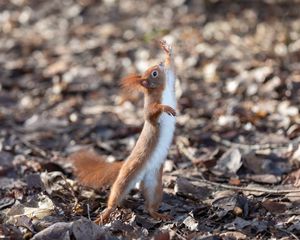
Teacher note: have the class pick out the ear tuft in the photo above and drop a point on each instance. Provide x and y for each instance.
(131, 83)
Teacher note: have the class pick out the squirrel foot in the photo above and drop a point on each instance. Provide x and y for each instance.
(104, 216)
(159, 216)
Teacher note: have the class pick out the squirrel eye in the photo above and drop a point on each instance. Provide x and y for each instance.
(154, 73)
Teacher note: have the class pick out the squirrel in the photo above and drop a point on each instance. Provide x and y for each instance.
(145, 163)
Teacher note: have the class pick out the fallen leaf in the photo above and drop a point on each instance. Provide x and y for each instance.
(83, 229)
(293, 197)
(274, 207)
(233, 235)
(266, 164)
(6, 202)
(24, 221)
(43, 207)
(162, 236)
(58, 230)
(237, 224)
(34, 181)
(265, 178)
(185, 188)
(191, 223)
(229, 163)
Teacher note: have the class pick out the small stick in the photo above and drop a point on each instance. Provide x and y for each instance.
(249, 189)
(88, 211)
(227, 143)
(288, 232)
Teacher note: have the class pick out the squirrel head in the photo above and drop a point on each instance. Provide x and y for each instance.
(152, 80)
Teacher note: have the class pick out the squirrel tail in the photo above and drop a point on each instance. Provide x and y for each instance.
(93, 171)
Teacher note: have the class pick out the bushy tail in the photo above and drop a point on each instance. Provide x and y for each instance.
(93, 171)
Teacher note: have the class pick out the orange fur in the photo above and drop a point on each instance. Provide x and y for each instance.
(93, 171)
(132, 83)
(156, 109)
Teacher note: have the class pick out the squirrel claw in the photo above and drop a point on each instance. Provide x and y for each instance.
(104, 216)
(98, 221)
(170, 111)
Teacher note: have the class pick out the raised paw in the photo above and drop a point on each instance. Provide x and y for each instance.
(160, 216)
(167, 48)
(167, 109)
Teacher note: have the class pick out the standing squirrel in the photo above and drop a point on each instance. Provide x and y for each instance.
(145, 163)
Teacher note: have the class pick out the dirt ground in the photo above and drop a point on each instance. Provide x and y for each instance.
(233, 169)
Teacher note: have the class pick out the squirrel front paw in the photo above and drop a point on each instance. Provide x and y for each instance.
(169, 110)
(167, 48)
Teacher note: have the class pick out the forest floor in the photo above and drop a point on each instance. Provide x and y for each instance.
(233, 169)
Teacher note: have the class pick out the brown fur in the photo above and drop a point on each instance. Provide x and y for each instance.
(131, 83)
(91, 170)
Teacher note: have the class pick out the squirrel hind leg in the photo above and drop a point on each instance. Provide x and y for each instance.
(153, 192)
(119, 189)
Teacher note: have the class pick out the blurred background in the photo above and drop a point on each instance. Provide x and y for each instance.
(61, 62)
(237, 63)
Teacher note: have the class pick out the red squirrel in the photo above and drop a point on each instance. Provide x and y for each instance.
(145, 163)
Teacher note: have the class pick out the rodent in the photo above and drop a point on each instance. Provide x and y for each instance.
(145, 163)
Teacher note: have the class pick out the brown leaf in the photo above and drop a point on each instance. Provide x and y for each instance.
(184, 187)
(229, 163)
(274, 207)
(162, 236)
(265, 178)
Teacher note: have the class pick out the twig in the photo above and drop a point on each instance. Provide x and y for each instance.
(248, 189)
(288, 232)
(88, 211)
(35, 149)
(294, 143)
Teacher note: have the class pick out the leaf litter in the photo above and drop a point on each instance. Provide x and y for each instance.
(233, 170)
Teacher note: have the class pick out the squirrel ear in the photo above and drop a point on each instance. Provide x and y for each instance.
(131, 83)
